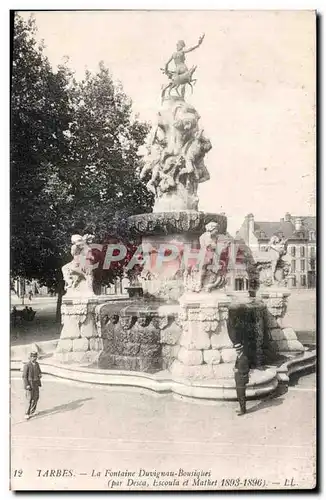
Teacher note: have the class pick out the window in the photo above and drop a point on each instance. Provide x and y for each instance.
(293, 251)
(303, 265)
(312, 263)
(302, 251)
(293, 269)
(303, 280)
(247, 284)
(239, 285)
(312, 236)
(294, 281)
(312, 252)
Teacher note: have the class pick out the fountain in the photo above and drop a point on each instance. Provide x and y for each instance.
(179, 336)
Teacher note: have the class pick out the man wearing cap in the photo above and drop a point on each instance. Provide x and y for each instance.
(241, 375)
(32, 382)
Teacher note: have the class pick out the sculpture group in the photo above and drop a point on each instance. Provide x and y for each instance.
(181, 76)
(174, 163)
(181, 320)
(175, 150)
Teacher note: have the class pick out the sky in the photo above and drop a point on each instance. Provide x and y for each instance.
(255, 93)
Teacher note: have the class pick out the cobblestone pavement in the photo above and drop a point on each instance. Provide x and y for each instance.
(91, 429)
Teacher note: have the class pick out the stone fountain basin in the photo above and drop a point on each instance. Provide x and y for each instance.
(176, 222)
(261, 382)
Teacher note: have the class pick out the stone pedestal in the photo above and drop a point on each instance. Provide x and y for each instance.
(79, 340)
(276, 300)
(204, 343)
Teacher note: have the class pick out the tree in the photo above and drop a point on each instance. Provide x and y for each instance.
(40, 115)
(74, 163)
(102, 181)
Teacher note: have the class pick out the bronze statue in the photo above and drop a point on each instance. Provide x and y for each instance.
(181, 76)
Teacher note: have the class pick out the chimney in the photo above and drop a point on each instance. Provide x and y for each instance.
(251, 224)
(298, 224)
(287, 217)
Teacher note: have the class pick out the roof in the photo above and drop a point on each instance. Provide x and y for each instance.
(308, 221)
(265, 230)
(270, 228)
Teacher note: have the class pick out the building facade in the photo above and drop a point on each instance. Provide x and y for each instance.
(300, 232)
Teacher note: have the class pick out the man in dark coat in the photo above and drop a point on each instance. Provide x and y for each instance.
(241, 375)
(32, 382)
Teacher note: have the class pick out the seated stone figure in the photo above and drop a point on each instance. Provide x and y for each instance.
(272, 265)
(214, 270)
(210, 274)
(78, 273)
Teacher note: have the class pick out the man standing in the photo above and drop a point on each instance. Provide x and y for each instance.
(32, 382)
(241, 375)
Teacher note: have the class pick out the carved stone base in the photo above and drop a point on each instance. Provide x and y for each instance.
(180, 199)
(79, 340)
(204, 342)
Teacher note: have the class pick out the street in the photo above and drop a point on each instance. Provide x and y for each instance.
(301, 314)
(85, 431)
(94, 432)
(43, 327)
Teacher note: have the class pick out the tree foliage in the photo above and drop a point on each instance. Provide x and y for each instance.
(74, 160)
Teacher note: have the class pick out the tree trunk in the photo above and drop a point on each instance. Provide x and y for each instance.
(61, 288)
(97, 283)
(97, 287)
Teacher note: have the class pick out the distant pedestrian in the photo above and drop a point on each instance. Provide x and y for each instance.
(14, 315)
(241, 376)
(32, 382)
(30, 295)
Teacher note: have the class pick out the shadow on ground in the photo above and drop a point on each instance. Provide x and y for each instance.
(273, 399)
(73, 405)
(269, 401)
(296, 377)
